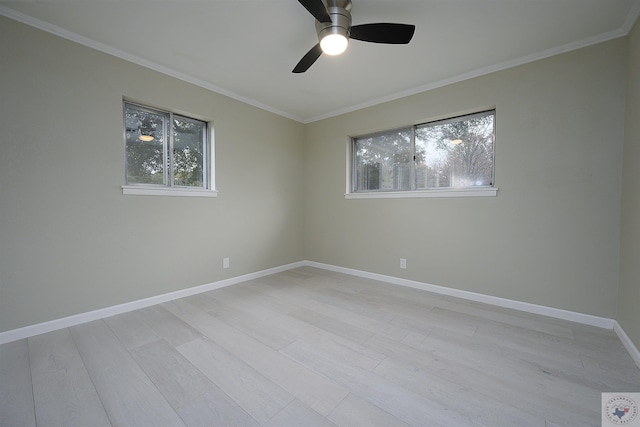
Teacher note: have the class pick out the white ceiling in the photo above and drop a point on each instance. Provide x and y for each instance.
(246, 49)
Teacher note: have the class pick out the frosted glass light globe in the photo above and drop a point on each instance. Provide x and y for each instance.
(334, 44)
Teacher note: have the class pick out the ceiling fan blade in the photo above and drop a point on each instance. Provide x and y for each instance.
(308, 60)
(317, 9)
(383, 33)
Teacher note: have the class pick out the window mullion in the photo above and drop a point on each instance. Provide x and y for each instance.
(412, 169)
(354, 165)
(165, 152)
(170, 158)
(205, 155)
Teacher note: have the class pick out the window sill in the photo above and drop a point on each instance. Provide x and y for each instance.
(449, 192)
(134, 190)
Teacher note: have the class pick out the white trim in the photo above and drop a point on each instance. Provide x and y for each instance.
(448, 192)
(212, 158)
(632, 17)
(134, 190)
(628, 344)
(589, 41)
(85, 41)
(53, 29)
(77, 319)
(587, 319)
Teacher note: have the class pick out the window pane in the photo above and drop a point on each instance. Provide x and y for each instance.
(455, 153)
(383, 162)
(145, 138)
(189, 138)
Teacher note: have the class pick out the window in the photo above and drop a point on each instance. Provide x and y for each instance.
(453, 154)
(166, 153)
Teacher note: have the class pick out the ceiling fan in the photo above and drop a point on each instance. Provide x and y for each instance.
(333, 25)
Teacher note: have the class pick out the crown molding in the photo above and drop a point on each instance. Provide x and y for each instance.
(590, 41)
(85, 41)
(632, 17)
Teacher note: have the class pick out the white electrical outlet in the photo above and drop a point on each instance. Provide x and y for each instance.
(403, 263)
(225, 262)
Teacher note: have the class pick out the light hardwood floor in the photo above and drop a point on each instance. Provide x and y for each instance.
(308, 347)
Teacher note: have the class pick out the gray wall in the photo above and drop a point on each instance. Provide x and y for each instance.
(550, 237)
(70, 242)
(629, 292)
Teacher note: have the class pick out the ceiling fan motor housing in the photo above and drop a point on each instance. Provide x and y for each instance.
(340, 12)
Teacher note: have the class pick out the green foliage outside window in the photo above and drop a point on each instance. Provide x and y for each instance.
(452, 153)
(164, 149)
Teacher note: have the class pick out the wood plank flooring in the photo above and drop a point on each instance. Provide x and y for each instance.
(309, 347)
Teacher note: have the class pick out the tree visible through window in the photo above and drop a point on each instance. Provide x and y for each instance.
(452, 153)
(165, 149)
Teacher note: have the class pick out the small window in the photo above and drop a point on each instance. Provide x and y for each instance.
(165, 150)
(455, 153)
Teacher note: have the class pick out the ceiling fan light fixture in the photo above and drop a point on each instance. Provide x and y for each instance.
(334, 35)
(334, 44)
(334, 29)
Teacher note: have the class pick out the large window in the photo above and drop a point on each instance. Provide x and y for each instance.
(165, 150)
(455, 153)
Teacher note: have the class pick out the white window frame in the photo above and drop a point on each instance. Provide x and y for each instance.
(142, 189)
(350, 193)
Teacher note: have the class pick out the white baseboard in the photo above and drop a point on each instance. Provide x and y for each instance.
(65, 322)
(628, 344)
(572, 316)
(587, 319)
